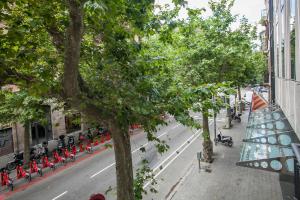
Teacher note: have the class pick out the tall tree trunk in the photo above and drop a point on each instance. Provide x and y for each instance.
(123, 158)
(73, 87)
(27, 144)
(72, 49)
(228, 114)
(207, 143)
(240, 100)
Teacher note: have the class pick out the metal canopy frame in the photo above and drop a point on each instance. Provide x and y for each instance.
(296, 150)
(265, 164)
(267, 145)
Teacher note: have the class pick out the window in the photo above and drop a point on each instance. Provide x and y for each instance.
(73, 122)
(282, 39)
(277, 48)
(292, 38)
(42, 132)
(38, 133)
(277, 57)
(282, 2)
(6, 142)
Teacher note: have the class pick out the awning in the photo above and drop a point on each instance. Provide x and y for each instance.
(267, 143)
(258, 102)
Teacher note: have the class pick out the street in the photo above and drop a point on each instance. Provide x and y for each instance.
(97, 173)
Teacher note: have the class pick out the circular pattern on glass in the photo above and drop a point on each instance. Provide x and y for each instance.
(270, 132)
(264, 164)
(285, 140)
(263, 140)
(276, 165)
(279, 125)
(272, 140)
(263, 126)
(270, 126)
(268, 116)
(276, 116)
(256, 164)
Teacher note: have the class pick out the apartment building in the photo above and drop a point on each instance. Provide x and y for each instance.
(287, 59)
(12, 135)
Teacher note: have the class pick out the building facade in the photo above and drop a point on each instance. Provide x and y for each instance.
(12, 135)
(273, 130)
(286, 59)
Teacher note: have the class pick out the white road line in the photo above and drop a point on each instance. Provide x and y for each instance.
(65, 192)
(109, 166)
(102, 170)
(185, 142)
(164, 133)
(193, 137)
(175, 126)
(165, 167)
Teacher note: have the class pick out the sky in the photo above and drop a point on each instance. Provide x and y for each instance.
(250, 8)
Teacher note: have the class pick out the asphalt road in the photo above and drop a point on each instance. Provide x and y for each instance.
(97, 173)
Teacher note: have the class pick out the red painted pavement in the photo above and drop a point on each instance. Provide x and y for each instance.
(56, 171)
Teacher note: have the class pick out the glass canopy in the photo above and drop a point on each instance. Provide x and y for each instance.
(267, 143)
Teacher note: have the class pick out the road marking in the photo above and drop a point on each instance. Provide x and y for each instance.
(165, 167)
(158, 166)
(175, 126)
(197, 117)
(164, 133)
(65, 192)
(103, 170)
(185, 142)
(112, 164)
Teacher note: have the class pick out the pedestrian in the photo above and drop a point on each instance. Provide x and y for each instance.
(97, 197)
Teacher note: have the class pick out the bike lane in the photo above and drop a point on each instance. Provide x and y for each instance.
(83, 167)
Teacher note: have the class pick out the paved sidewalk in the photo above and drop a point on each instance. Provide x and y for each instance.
(225, 180)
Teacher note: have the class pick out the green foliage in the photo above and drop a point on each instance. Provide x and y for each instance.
(143, 176)
(21, 107)
(134, 66)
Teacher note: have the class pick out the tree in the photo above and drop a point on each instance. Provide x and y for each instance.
(19, 107)
(203, 95)
(212, 52)
(90, 54)
(115, 62)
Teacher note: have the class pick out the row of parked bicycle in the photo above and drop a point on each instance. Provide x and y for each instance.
(40, 158)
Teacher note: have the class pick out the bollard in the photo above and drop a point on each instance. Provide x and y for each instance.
(199, 157)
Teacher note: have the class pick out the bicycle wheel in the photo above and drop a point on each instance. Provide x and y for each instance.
(11, 166)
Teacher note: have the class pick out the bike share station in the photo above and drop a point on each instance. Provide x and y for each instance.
(271, 144)
(40, 161)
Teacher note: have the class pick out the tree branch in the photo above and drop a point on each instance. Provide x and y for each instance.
(9, 76)
(57, 38)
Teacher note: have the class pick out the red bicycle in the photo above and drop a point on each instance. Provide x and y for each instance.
(6, 180)
(21, 173)
(46, 163)
(57, 158)
(35, 169)
(68, 155)
(89, 148)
